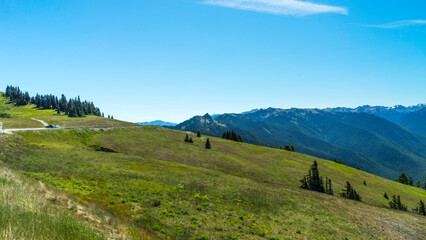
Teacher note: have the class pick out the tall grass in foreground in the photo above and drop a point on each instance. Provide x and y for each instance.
(26, 214)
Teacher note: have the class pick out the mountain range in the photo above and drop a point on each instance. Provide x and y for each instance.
(381, 140)
(157, 123)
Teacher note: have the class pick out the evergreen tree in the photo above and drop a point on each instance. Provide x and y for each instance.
(304, 182)
(421, 208)
(402, 178)
(292, 148)
(190, 140)
(365, 183)
(385, 196)
(186, 138)
(418, 184)
(410, 181)
(198, 133)
(349, 192)
(208, 145)
(396, 203)
(328, 187)
(313, 181)
(357, 167)
(424, 184)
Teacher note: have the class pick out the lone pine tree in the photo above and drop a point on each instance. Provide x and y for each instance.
(385, 196)
(328, 187)
(198, 133)
(421, 208)
(208, 145)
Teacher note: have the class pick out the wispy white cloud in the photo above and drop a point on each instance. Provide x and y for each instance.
(399, 24)
(280, 7)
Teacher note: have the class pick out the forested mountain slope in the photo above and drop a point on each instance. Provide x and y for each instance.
(358, 139)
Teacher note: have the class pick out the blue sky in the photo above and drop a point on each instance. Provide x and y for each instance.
(171, 59)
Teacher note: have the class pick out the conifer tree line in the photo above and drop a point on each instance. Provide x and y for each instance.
(337, 161)
(72, 107)
(232, 135)
(289, 148)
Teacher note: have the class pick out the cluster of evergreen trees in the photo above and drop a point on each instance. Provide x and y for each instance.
(188, 139)
(289, 148)
(17, 96)
(231, 135)
(396, 203)
(313, 181)
(72, 107)
(337, 161)
(404, 179)
(409, 181)
(349, 192)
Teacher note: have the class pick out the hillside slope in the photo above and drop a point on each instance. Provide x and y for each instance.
(30, 210)
(358, 139)
(166, 188)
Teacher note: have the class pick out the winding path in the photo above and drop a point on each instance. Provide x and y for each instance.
(41, 121)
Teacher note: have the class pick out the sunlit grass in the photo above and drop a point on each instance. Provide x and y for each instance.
(167, 188)
(25, 213)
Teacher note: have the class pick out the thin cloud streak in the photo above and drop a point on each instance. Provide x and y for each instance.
(279, 7)
(398, 24)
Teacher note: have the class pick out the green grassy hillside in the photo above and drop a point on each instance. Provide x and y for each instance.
(28, 210)
(162, 187)
(20, 117)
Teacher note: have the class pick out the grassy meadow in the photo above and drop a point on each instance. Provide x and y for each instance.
(28, 211)
(163, 188)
